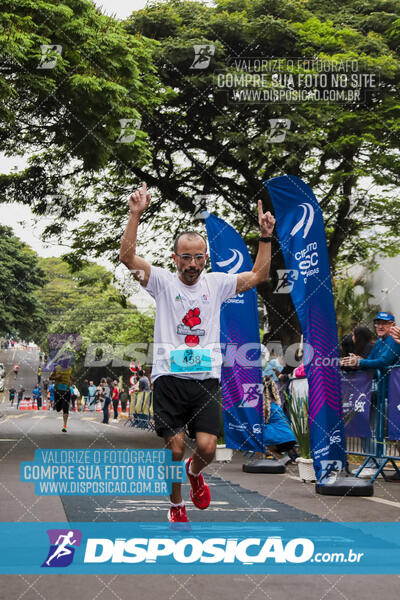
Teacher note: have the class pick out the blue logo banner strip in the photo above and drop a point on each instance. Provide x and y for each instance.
(148, 548)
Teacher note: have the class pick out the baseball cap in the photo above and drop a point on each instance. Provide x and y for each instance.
(384, 316)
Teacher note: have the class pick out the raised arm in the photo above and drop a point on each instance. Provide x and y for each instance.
(260, 271)
(140, 268)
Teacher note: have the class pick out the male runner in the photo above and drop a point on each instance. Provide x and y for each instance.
(61, 376)
(187, 357)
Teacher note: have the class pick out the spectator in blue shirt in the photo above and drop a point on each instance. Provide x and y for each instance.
(386, 351)
(51, 390)
(37, 395)
(92, 396)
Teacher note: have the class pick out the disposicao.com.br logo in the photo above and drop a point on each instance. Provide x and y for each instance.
(191, 550)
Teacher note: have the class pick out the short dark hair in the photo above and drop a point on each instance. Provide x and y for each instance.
(190, 234)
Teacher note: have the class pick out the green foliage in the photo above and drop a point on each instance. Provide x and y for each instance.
(66, 119)
(22, 314)
(298, 413)
(86, 303)
(352, 304)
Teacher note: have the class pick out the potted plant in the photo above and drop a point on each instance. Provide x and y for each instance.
(298, 413)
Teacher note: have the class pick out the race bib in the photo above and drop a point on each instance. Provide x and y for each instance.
(191, 360)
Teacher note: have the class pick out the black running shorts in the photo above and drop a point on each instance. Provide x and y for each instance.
(186, 404)
(61, 401)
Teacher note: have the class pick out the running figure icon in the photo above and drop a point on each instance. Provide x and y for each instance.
(62, 549)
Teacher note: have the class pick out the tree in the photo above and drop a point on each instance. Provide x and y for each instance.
(21, 312)
(352, 304)
(73, 87)
(64, 291)
(201, 143)
(86, 303)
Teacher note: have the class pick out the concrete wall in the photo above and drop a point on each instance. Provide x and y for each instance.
(384, 284)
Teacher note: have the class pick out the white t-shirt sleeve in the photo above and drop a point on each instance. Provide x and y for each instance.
(158, 281)
(225, 284)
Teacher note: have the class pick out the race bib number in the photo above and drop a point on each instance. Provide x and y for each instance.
(191, 360)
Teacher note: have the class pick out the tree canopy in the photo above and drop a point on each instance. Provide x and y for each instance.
(73, 87)
(198, 140)
(87, 304)
(22, 314)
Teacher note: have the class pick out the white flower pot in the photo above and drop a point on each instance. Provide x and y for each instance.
(306, 469)
(223, 454)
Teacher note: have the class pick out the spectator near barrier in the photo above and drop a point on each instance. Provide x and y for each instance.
(92, 396)
(85, 394)
(384, 354)
(144, 383)
(11, 392)
(51, 394)
(359, 343)
(106, 387)
(20, 395)
(37, 397)
(386, 351)
(124, 398)
(115, 399)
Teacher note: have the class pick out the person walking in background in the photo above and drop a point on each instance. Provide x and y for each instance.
(99, 395)
(62, 396)
(115, 400)
(37, 395)
(74, 396)
(106, 386)
(20, 395)
(51, 394)
(85, 394)
(144, 383)
(39, 374)
(92, 396)
(16, 370)
(124, 398)
(11, 392)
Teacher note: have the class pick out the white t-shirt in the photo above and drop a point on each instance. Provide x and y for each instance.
(188, 316)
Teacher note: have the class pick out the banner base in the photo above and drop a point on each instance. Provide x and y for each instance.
(264, 466)
(346, 486)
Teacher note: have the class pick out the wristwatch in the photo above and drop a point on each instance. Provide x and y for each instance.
(265, 239)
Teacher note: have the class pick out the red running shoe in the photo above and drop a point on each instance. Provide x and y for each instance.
(177, 514)
(200, 492)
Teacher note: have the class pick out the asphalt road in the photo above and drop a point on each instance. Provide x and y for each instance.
(236, 495)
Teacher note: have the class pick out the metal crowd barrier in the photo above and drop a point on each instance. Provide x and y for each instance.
(378, 451)
(141, 411)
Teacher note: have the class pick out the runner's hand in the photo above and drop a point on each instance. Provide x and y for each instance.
(266, 221)
(139, 200)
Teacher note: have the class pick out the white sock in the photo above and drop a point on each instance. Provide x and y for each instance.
(178, 505)
(190, 470)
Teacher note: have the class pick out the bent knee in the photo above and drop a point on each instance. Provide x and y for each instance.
(207, 449)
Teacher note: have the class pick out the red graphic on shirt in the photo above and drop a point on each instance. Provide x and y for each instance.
(191, 319)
